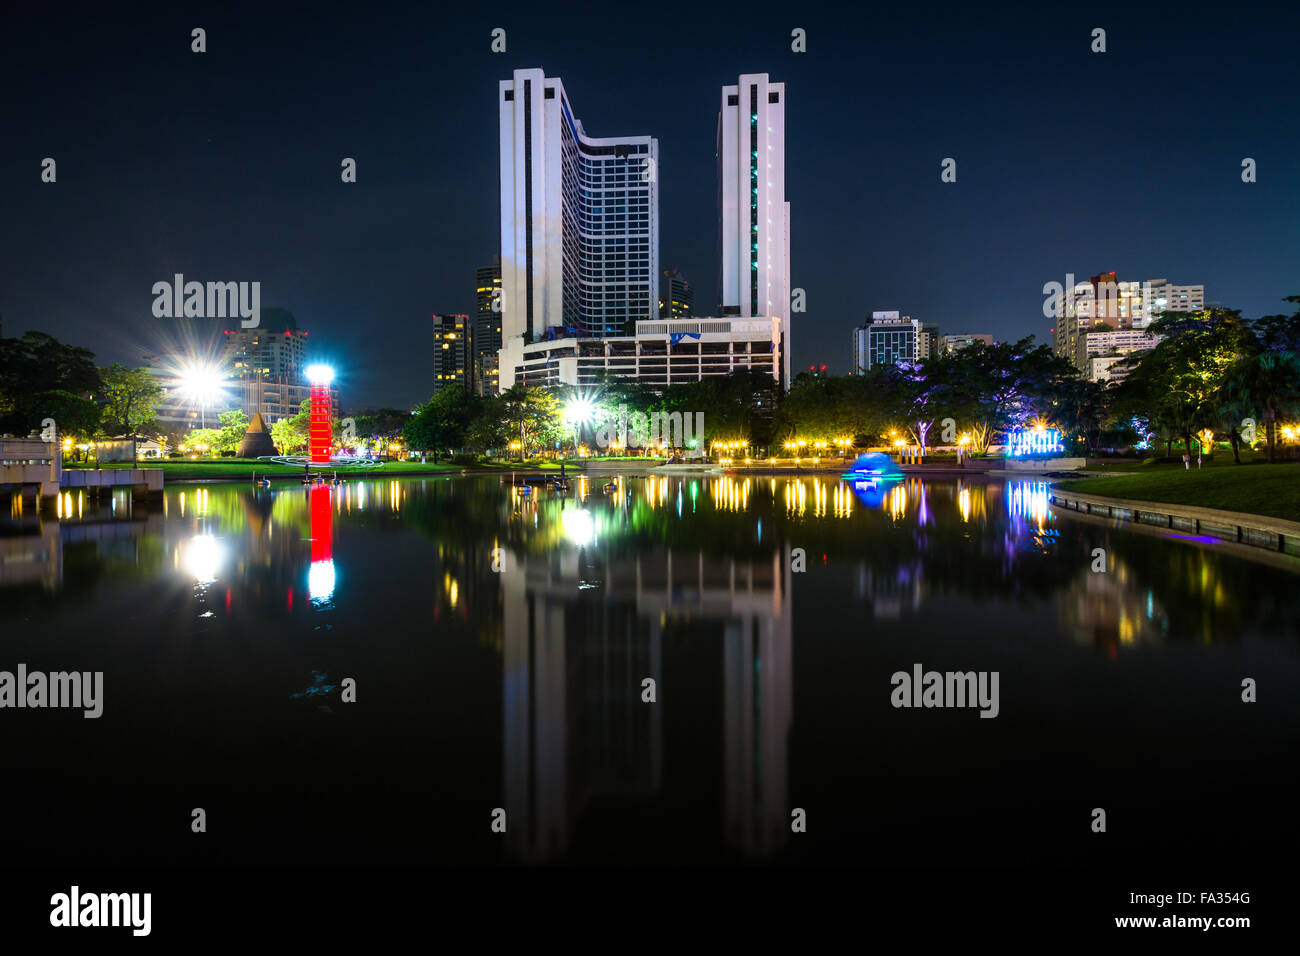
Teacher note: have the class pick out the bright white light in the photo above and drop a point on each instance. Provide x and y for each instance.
(203, 557)
(579, 410)
(202, 384)
(319, 374)
(579, 526)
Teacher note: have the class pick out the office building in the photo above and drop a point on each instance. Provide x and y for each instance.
(451, 352)
(677, 300)
(753, 216)
(579, 219)
(486, 335)
(889, 338)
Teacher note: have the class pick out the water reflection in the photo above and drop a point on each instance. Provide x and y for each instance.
(553, 608)
(576, 727)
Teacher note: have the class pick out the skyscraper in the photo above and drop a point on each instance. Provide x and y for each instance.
(450, 351)
(267, 363)
(579, 219)
(754, 218)
(678, 298)
(487, 327)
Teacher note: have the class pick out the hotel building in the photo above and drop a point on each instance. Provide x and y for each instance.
(580, 247)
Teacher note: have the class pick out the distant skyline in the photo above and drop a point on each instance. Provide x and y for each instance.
(224, 166)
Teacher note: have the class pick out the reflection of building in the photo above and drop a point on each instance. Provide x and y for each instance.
(579, 638)
(1106, 610)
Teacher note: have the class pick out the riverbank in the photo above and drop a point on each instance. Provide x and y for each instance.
(1260, 489)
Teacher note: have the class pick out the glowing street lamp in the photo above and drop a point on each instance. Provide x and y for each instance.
(202, 385)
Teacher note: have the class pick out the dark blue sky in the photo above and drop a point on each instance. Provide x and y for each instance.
(225, 165)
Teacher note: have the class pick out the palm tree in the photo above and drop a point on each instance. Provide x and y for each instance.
(1269, 383)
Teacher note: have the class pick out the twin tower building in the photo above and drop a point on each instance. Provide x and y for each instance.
(580, 245)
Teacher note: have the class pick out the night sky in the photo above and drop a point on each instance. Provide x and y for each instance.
(225, 165)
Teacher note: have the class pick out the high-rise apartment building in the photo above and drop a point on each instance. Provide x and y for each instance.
(265, 365)
(677, 301)
(1103, 300)
(451, 351)
(754, 218)
(579, 219)
(487, 328)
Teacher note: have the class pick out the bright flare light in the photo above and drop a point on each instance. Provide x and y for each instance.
(579, 410)
(202, 384)
(319, 374)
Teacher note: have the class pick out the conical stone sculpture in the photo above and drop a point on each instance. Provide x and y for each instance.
(257, 441)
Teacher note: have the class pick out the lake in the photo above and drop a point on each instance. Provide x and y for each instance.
(498, 645)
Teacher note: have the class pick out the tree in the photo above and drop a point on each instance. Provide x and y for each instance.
(74, 415)
(289, 438)
(130, 399)
(441, 423)
(1269, 383)
(32, 370)
(532, 416)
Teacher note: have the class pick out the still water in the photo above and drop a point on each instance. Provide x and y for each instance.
(499, 643)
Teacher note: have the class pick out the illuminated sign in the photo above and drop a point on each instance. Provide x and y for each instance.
(1022, 442)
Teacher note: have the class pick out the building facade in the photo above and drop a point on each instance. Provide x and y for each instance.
(266, 365)
(486, 337)
(888, 338)
(1104, 300)
(956, 341)
(1097, 348)
(677, 300)
(579, 219)
(753, 216)
(451, 352)
(661, 353)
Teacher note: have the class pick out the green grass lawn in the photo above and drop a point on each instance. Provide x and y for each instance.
(1221, 459)
(1260, 489)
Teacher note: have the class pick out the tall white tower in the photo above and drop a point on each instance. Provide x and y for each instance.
(754, 218)
(579, 219)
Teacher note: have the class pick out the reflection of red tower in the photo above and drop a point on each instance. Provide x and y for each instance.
(320, 576)
(319, 433)
(322, 524)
